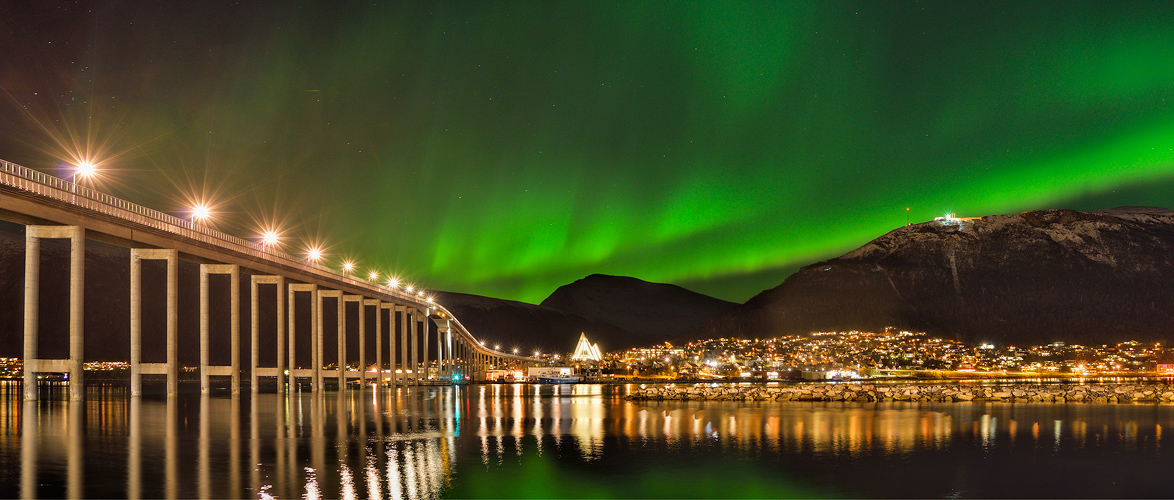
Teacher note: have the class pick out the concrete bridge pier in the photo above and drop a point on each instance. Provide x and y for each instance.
(32, 291)
(233, 369)
(390, 308)
(376, 303)
(340, 335)
(425, 362)
(314, 373)
(137, 367)
(255, 370)
(422, 336)
(443, 351)
(404, 346)
(343, 330)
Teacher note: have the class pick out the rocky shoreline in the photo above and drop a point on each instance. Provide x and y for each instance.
(946, 393)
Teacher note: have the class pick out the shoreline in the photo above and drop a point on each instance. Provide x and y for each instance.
(1153, 393)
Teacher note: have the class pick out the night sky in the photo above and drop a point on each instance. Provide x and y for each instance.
(507, 148)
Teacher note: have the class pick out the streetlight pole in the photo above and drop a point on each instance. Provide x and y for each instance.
(84, 169)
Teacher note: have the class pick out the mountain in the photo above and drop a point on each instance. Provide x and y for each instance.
(528, 327)
(653, 312)
(1029, 278)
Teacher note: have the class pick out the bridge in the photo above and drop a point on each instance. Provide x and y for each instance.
(53, 208)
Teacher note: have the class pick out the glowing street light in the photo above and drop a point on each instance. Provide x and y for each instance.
(269, 237)
(393, 283)
(515, 350)
(373, 275)
(497, 347)
(201, 212)
(408, 289)
(84, 169)
(314, 254)
(348, 266)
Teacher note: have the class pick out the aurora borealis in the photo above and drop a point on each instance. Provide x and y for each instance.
(505, 149)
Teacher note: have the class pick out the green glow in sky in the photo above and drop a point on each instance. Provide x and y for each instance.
(505, 149)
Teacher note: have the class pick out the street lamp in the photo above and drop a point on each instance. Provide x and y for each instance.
(200, 212)
(373, 275)
(348, 266)
(314, 254)
(269, 238)
(84, 169)
(393, 283)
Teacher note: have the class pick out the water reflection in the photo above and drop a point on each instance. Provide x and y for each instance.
(515, 440)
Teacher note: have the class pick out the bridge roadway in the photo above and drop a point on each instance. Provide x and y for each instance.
(51, 207)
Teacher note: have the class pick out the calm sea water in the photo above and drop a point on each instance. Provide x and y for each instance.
(585, 441)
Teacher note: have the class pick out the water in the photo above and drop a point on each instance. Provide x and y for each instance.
(586, 441)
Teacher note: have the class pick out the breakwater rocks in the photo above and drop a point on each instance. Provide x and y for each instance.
(1056, 393)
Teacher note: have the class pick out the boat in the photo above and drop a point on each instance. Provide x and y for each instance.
(554, 379)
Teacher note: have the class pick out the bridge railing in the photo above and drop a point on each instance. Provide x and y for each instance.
(56, 188)
(453, 322)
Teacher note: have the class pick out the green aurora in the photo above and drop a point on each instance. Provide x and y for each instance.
(505, 149)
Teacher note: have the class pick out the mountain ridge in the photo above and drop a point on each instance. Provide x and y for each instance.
(1033, 277)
